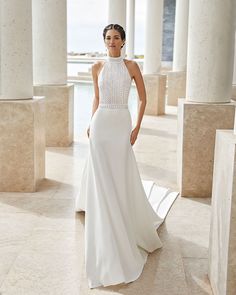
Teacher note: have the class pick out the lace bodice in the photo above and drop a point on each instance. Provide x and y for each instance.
(114, 83)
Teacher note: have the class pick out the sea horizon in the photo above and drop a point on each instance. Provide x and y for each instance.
(86, 21)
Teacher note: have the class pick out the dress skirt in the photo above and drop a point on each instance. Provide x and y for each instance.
(120, 223)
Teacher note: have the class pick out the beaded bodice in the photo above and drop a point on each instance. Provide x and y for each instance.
(114, 83)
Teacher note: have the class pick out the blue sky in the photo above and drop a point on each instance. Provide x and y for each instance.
(86, 20)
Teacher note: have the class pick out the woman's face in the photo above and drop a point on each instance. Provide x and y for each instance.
(113, 41)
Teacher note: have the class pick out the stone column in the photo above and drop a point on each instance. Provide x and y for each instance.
(154, 82)
(234, 72)
(208, 93)
(210, 50)
(50, 69)
(130, 29)
(181, 35)
(16, 50)
(0, 47)
(22, 140)
(153, 37)
(117, 12)
(177, 77)
(117, 15)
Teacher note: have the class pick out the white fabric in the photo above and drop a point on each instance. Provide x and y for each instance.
(114, 82)
(120, 222)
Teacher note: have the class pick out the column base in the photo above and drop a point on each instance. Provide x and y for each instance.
(222, 246)
(197, 124)
(59, 118)
(176, 87)
(22, 144)
(156, 90)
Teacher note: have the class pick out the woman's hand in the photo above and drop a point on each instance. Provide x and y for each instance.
(88, 131)
(134, 135)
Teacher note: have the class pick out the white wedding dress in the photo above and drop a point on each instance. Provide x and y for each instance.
(121, 211)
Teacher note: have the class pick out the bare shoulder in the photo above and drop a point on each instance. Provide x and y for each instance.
(130, 62)
(96, 67)
(133, 65)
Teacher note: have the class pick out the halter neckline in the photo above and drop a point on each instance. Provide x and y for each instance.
(115, 59)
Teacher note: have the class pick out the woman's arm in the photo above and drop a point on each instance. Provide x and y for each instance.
(138, 78)
(95, 68)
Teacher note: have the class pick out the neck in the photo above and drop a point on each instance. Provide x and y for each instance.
(118, 55)
(114, 58)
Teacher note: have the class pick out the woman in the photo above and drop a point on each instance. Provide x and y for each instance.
(120, 223)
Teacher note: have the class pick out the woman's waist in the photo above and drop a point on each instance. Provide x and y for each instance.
(113, 105)
(108, 116)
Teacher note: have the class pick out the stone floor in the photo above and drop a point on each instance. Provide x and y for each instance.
(42, 238)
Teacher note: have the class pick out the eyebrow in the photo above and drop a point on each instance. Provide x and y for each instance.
(114, 35)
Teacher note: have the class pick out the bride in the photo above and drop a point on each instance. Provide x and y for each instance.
(120, 222)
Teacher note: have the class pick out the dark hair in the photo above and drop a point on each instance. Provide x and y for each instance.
(115, 27)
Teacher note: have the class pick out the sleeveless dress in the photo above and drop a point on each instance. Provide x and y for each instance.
(120, 221)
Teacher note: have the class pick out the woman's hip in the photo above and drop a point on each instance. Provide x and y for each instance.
(109, 123)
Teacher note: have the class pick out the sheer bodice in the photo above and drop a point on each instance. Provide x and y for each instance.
(114, 83)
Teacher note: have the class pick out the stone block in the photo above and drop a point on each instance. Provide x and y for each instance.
(197, 124)
(156, 90)
(222, 245)
(59, 101)
(176, 87)
(22, 144)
